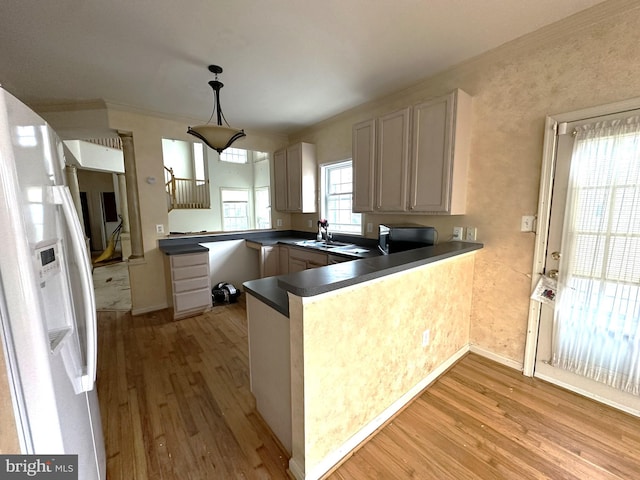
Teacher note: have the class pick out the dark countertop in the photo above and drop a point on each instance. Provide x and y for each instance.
(182, 249)
(182, 244)
(363, 267)
(258, 236)
(372, 250)
(268, 291)
(273, 290)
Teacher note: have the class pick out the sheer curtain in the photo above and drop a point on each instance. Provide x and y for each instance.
(597, 312)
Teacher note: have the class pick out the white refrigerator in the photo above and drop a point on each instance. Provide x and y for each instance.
(47, 304)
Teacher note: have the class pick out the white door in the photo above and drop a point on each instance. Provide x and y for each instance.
(589, 340)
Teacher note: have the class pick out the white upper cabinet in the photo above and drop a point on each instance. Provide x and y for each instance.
(440, 155)
(363, 160)
(414, 160)
(392, 149)
(295, 178)
(280, 179)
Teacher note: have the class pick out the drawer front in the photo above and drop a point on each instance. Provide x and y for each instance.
(189, 259)
(193, 271)
(190, 284)
(192, 300)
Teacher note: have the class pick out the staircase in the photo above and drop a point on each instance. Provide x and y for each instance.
(185, 193)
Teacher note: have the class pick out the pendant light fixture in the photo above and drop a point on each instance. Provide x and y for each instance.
(217, 136)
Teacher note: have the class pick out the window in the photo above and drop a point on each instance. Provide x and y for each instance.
(235, 209)
(262, 207)
(337, 198)
(234, 155)
(198, 164)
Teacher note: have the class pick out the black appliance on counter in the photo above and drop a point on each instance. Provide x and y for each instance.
(400, 237)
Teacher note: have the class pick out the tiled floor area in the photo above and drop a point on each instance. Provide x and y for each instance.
(111, 284)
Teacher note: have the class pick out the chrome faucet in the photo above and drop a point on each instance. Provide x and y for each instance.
(324, 224)
(328, 236)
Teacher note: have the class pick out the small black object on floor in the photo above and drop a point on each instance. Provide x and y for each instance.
(223, 293)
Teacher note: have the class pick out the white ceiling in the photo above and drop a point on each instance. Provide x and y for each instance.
(287, 63)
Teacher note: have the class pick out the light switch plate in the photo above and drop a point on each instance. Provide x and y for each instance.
(527, 223)
(471, 234)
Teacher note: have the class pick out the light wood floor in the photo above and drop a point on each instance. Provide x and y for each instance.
(175, 399)
(176, 405)
(485, 421)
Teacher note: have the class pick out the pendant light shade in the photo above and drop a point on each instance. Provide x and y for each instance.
(216, 136)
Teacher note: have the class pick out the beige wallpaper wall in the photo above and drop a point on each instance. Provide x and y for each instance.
(356, 351)
(590, 59)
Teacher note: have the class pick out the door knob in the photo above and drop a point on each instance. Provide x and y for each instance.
(556, 255)
(552, 274)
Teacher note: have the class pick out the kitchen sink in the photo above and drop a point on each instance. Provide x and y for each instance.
(322, 244)
(333, 246)
(352, 249)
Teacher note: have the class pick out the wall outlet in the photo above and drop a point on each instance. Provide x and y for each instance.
(471, 234)
(458, 233)
(426, 337)
(160, 229)
(369, 227)
(309, 223)
(527, 224)
(279, 222)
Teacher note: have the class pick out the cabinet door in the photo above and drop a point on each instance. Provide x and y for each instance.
(309, 170)
(440, 154)
(294, 178)
(280, 179)
(283, 260)
(363, 157)
(270, 265)
(296, 265)
(431, 155)
(392, 160)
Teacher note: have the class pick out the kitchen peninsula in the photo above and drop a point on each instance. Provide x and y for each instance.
(336, 351)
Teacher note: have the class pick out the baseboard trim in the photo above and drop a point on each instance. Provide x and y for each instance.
(507, 362)
(154, 308)
(296, 470)
(596, 391)
(333, 458)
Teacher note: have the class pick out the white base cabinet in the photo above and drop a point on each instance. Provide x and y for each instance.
(190, 283)
(302, 259)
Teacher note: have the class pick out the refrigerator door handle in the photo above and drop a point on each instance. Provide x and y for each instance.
(79, 248)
